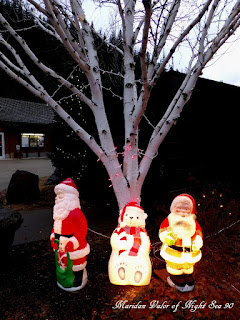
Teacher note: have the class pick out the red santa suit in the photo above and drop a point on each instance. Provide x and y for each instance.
(70, 228)
(74, 228)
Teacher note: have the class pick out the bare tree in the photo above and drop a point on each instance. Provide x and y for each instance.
(199, 28)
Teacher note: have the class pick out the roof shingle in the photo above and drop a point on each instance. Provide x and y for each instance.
(18, 111)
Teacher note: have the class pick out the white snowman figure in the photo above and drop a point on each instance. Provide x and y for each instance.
(129, 262)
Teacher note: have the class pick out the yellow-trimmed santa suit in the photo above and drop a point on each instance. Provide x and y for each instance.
(178, 257)
(181, 256)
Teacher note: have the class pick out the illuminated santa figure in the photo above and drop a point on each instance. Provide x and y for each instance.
(129, 263)
(181, 236)
(68, 238)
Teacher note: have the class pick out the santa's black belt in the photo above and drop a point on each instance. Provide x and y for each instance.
(181, 249)
(57, 235)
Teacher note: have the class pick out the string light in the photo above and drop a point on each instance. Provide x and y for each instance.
(117, 174)
(113, 94)
(215, 194)
(140, 153)
(128, 148)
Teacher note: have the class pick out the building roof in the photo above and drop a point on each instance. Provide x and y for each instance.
(18, 111)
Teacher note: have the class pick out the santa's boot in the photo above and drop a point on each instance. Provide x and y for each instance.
(189, 282)
(177, 281)
(183, 283)
(80, 279)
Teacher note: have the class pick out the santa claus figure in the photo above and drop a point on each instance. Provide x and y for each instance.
(68, 238)
(129, 263)
(181, 236)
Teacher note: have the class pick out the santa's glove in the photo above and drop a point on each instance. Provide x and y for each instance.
(169, 240)
(197, 243)
(63, 242)
(53, 243)
(69, 246)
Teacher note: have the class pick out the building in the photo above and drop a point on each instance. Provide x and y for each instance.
(24, 128)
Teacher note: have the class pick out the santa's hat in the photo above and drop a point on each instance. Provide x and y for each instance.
(182, 198)
(133, 206)
(67, 186)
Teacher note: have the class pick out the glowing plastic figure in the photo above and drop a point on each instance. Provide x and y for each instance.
(182, 239)
(129, 263)
(68, 238)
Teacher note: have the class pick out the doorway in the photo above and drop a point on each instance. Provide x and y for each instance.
(2, 146)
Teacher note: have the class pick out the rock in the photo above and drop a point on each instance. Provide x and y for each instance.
(10, 221)
(55, 178)
(23, 188)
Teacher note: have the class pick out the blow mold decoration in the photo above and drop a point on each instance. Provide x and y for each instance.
(68, 238)
(129, 262)
(182, 239)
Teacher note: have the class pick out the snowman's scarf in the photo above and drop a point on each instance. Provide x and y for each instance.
(135, 231)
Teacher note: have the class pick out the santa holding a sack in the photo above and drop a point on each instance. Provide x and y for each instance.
(182, 239)
(68, 238)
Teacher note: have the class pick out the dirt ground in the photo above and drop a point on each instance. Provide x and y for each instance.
(28, 284)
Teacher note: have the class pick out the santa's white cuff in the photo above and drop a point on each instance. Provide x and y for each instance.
(79, 267)
(75, 242)
(163, 235)
(78, 254)
(198, 241)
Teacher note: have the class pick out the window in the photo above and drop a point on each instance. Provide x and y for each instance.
(32, 140)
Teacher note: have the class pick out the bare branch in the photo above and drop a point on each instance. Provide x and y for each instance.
(42, 94)
(47, 30)
(205, 30)
(166, 29)
(43, 67)
(148, 12)
(231, 24)
(38, 7)
(178, 41)
(136, 32)
(58, 24)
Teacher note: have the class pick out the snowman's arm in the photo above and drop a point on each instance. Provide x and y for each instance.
(145, 242)
(118, 241)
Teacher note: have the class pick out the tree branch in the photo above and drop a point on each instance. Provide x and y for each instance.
(148, 13)
(63, 32)
(142, 103)
(177, 42)
(38, 7)
(165, 31)
(231, 24)
(205, 30)
(43, 67)
(88, 139)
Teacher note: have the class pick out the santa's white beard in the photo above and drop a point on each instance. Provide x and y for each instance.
(182, 227)
(63, 207)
